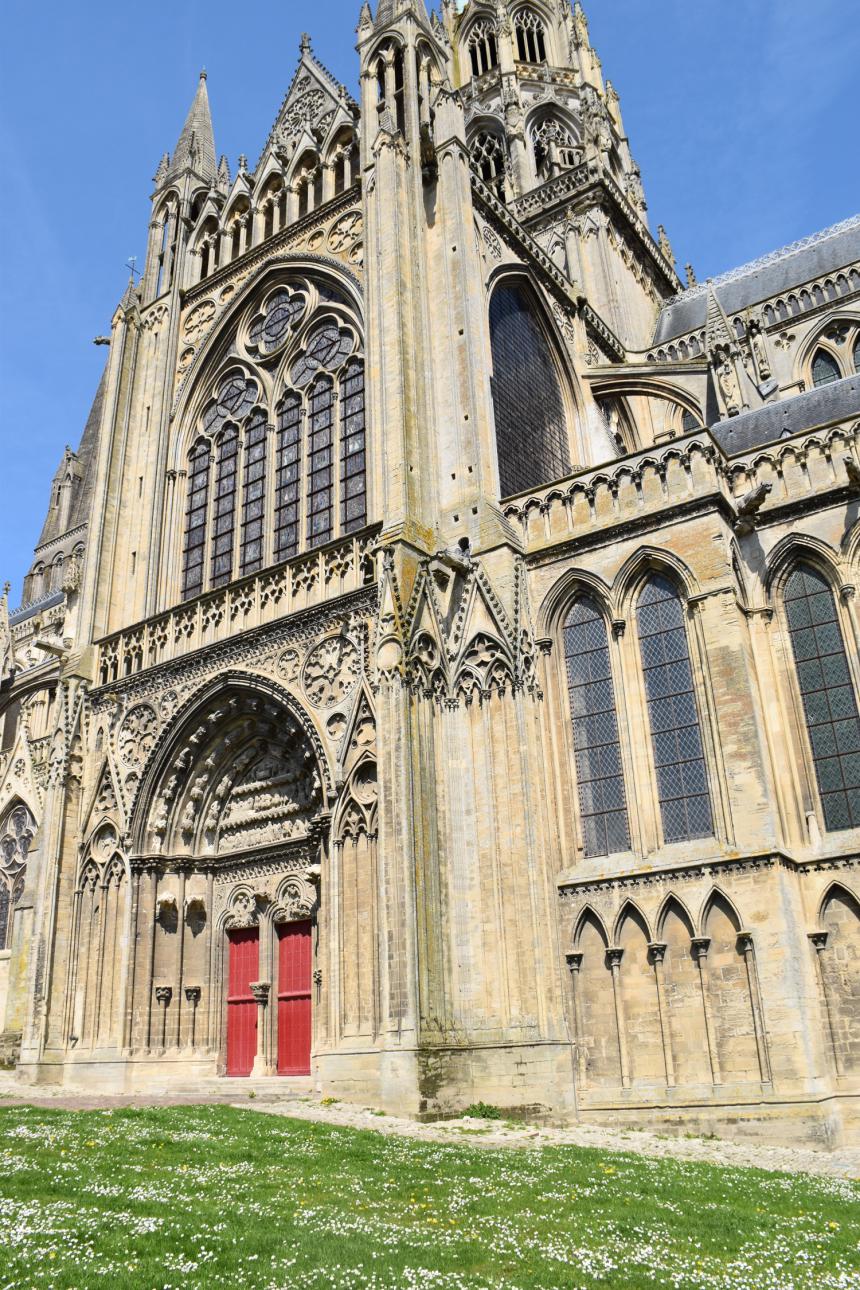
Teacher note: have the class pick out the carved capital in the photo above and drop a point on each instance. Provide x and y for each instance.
(614, 955)
(744, 942)
(192, 994)
(619, 626)
(699, 947)
(818, 940)
(847, 593)
(164, 993)
(544, 644)
(260, 991)
(657, 951)
(574, 962)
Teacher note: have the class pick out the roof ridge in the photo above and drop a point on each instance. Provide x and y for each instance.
(771, 257)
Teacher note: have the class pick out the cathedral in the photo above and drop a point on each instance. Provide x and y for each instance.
(437, 677)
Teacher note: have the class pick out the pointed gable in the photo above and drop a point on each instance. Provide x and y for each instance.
(310, 107)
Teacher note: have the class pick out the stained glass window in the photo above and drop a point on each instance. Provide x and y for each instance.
(857, 353)
(195, 520)
(320, 475)
(682, 784)
(599, 774)
(16, 834)
(353, 466)
(531, 431)
(326, 349)
(283, 310)
(5, 910)
(825, 368)
(252, 537)
(224, 507)
(827, 690)
(288, 496)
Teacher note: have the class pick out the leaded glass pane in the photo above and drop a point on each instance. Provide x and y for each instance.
(320, 475)
(288, 497)
(599, 775)
(353, 467)
(282, 312)
(224, 507)
(5, 911)
(827, 691)
(825, 368)
(857, 353)
(327, 348)
(253, 496)
(682, 783)
(531, 431)
(195, 520)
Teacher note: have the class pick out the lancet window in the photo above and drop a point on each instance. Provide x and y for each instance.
(554, 148)
(828, 696)
(482, 48)
(857, 353)
(679, 760)
(490, 160)
(16, 833)
(825, 368)
(531, 427)
(531, 41)
(263, 486)
(597, 749)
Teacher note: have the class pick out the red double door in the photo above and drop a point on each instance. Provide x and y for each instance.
(293, 998)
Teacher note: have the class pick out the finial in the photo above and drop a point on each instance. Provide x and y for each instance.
(7, 587)
(305, 43)
(203, 73)
(691, 276)
(243, 162)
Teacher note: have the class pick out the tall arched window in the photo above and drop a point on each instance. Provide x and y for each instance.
(319, 471)
(482, 48)
(531, 43)
(224, 506)
(554, 147)
(531, 429)
(825, 368)
(16, 833)
(253, 496)
(353, 466)
(827, 691)
(682, 783)
(857, 353)
(489, 160)
(288, 483)
(195, 519)
(599, 773)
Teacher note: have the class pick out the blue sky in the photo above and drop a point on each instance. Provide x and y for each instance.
(741, 113)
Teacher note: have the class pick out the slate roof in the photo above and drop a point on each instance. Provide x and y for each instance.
(819, 407)
(83, 488)
(791, 266)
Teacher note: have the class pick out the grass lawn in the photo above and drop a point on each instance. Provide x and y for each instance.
(211, 1196)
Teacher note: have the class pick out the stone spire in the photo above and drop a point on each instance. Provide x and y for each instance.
(196, 147)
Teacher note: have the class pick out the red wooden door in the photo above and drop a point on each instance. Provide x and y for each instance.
(244, 968)
(294, 998)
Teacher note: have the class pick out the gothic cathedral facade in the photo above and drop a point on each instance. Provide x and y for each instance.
(438, 678)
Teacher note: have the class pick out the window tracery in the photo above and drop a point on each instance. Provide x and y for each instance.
(531, 40)
(554, 147)
(16, 834)
(489, 158)
(856, 354)
(483, 53)
(679, 759)
(256, 497)
(827, 694)
(531, 427)
(597, 748)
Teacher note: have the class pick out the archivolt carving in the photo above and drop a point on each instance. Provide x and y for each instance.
(137, 735)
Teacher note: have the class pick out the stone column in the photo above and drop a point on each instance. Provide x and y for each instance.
(613, 957)
(745, 947)
(657, 952)
(699, 947)
(177, 1025)
(163, 993)
(260, 991)
(192, 996)
(818, 941)
(574, 963)
(153, 916)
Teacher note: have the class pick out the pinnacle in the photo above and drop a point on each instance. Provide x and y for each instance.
(195, 149)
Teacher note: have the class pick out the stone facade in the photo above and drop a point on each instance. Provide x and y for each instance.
(439, 668)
